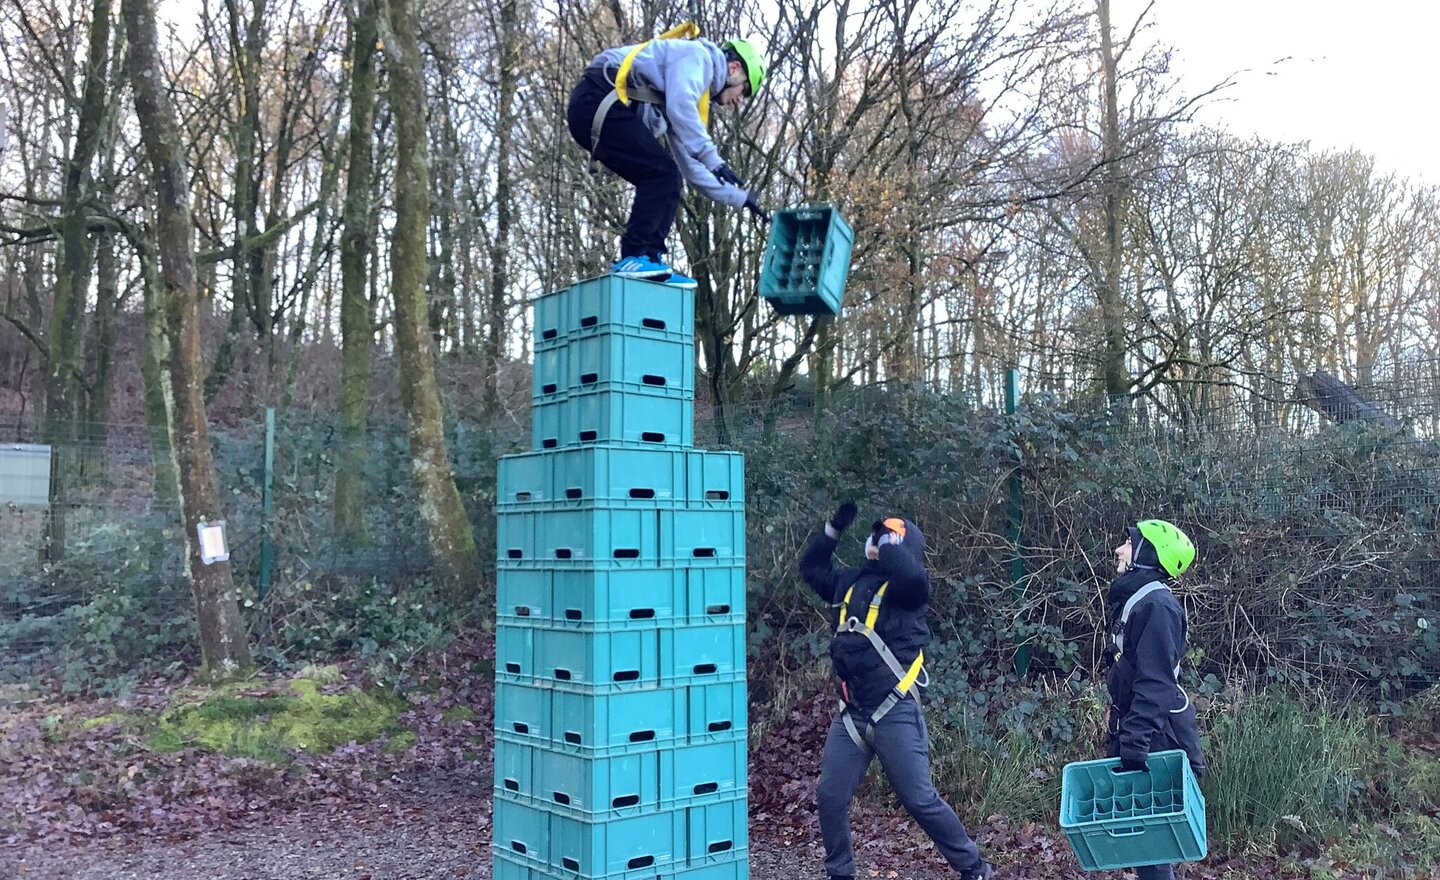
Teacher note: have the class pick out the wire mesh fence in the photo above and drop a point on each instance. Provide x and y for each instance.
(1346, 513)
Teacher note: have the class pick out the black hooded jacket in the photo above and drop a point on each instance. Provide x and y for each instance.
(901, 622)
(1149, 712)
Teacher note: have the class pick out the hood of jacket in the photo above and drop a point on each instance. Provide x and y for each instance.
(913, 546)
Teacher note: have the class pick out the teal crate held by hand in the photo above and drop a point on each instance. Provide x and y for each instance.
(807, 260)
(1126, 820)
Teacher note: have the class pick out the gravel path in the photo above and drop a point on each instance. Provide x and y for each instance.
(385, 844)
(411, 836)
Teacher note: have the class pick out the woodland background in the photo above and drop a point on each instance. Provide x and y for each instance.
(342, 210)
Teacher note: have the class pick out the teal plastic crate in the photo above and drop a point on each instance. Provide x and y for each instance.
(1126, 820)
(807, 259)
(523, 710)
(523, 595)
(697, 774)
(737, 867)
(610, 302)
(605, 360)
(714, 711)
(633, 846)
(621, 722)
(597, 533)
(515, 535)
(621, 475)
(593, 788)
(515, 653)
(525, 481)
(702, 653)
(714, 478)
(505, 866)
(515, 772)
(609, 659)
(715, 595)
(549, 372)
(603, 597)
(689, 535)
(714, 833)
(656, 418)
(598, 360)
(520, 829)
(578, 536)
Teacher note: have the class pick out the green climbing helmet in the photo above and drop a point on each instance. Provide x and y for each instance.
(1173, 547)
(752, 59)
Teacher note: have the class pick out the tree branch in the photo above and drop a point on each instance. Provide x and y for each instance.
(255, 242)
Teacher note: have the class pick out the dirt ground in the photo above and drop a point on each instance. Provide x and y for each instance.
(406, 840)
(425, 830)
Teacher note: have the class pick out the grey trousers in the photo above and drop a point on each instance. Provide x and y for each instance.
(903, 746)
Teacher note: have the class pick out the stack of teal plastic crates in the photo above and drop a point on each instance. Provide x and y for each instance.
(620, 647)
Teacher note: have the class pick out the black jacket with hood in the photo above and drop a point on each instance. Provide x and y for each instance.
(900, 624)
(1149, 711)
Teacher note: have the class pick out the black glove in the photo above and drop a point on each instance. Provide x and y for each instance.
(1131, 765)
(752, 204)
(725, 174)
(844, 516)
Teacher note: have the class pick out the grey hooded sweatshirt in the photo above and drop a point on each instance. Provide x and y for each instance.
(681, 70)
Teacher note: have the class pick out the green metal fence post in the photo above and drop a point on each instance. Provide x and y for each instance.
(1017, 508)
(267, 551)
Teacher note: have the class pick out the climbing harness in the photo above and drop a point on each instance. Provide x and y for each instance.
(624, 92)
(907, 680)
(1119, 637)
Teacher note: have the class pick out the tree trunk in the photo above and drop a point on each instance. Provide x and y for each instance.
(223, 648)
(107, 303)
(155, 375)
(72, 280)
(356, 316)
(1112, 309)
(500, 252)
(247, 267)
(451, 542)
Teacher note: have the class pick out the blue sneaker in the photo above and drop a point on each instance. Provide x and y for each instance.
(684, 282)
(640, 267)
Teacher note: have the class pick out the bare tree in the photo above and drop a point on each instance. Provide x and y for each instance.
(451, 542)
(225, 654)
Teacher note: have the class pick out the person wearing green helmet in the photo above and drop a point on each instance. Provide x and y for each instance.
(629, 99)
(1149, 712)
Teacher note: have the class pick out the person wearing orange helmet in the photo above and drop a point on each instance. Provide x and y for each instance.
(878, 653)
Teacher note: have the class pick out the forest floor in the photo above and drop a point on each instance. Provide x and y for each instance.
(89, 791)
(438, 828)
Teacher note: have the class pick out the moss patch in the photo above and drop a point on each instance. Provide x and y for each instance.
(269, 727)
(119, 719)
(457, 713)
(400, 742)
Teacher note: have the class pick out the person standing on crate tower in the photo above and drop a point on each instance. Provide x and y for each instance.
(1149, 712)
(629, 99)
(878, 653)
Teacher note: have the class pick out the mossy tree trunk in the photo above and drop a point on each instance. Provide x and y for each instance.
(155, 378)
(72, 279)
(224, 651)
(357, 321)
(452, 544)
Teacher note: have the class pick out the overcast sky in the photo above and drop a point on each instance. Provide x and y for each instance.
(1364, 74)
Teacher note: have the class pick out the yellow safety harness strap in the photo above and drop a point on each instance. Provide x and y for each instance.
(906, 678)
(625, 93)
